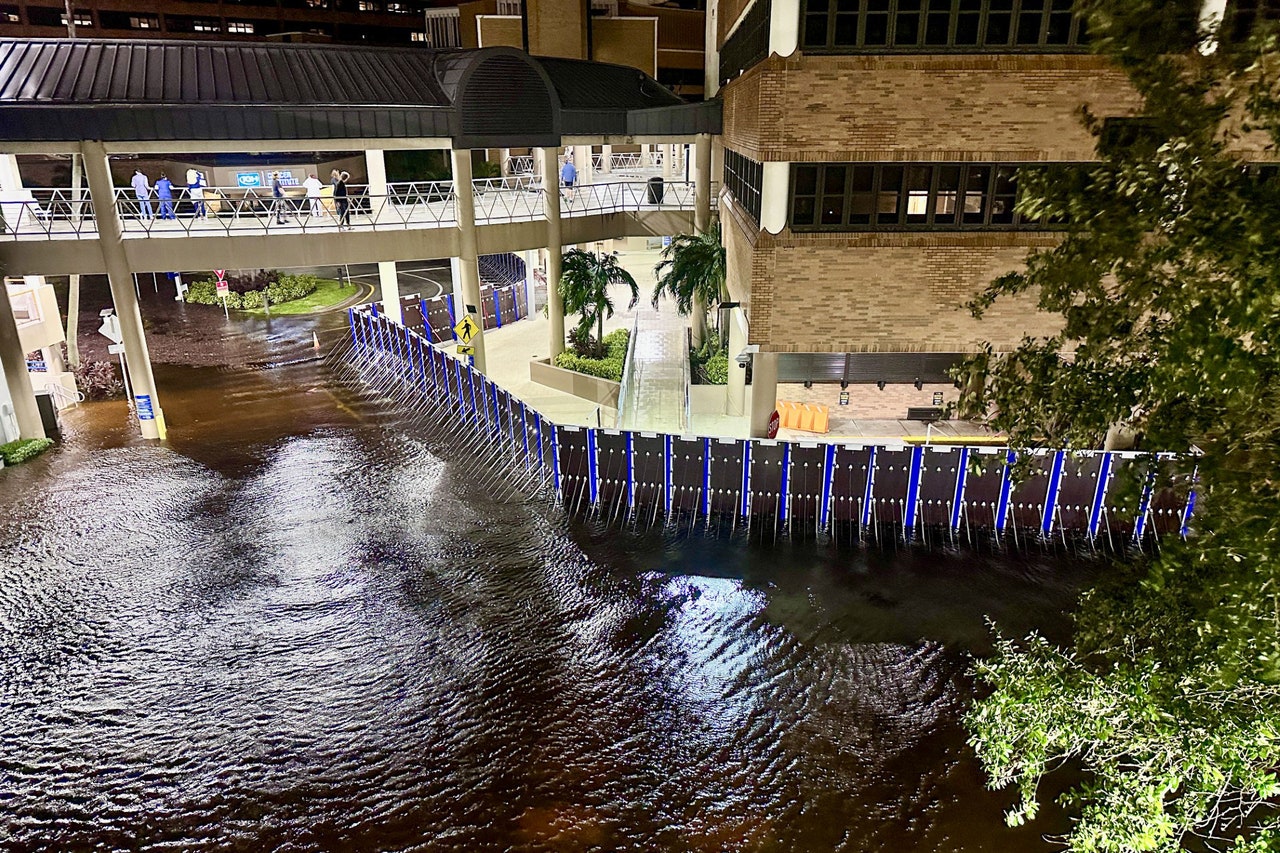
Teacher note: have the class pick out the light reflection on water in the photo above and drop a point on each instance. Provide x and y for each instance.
(301, 629)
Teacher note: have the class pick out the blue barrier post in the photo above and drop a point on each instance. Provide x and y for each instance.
(706, 477)
(913, 491)
(555, 457)
(1006, 488)
(1099, 495)
(1051, 494)
(666, 473)
(828, 474)
(426, 321)
(592, 466)
(453, 316)
(869, 491)
(786, 481)
(746, 478)
(957, 500)
(631, 469)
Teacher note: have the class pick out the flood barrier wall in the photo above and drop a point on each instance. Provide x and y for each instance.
(849, 491)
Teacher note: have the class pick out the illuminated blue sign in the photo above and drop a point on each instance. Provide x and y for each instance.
(249, 179)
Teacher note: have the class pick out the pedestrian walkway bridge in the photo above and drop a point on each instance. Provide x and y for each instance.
(37, 231)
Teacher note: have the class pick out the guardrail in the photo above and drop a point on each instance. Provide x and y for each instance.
(222, 211)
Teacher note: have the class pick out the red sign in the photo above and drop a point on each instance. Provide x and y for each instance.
(221, 274)
(774, 423)
(222, 288)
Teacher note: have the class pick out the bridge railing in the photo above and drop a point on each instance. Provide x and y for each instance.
(224, 211)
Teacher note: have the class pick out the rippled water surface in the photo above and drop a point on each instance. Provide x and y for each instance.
(297, 627)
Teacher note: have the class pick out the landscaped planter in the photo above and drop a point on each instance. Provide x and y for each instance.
(601, 391)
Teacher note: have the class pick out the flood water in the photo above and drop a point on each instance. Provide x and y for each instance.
(299, 625)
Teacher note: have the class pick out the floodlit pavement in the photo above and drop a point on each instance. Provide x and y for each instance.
(656, 391)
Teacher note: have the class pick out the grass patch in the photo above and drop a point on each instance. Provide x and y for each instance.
(23, 449)
(328, 292)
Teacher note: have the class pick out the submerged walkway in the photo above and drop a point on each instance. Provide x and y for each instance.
(656, 388)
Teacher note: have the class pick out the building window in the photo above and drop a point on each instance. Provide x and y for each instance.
(82, 19)
(931, 26)
(144, 22)
(369, 6)
(10, 15)
(742, 178)
(748, 44)
(201, 25)
(880, 196)
(422, 37)
(402, 8)
(243, 27)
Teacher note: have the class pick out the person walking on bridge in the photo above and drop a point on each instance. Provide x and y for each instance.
(164, 192)
(142, 189)
(342, 201)
(312, 186)
(277, 197)
(568, 174)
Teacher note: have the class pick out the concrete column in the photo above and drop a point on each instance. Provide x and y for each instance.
(530, 285)
(646, 155)
(468, 255)
(376, 165)
(702, 183)
(146, 402)
(606, 159)
(505, 165)
(73, 290)
(540, 155)
(736, 402)
(711, 57)
(389, 279)
(667, 158)
(555, 241)
(764, 392)
(14, 363)
(582, 159)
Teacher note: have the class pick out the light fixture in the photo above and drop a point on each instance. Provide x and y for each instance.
(919, 384)
(808, 383)
(880, 384)
(844, 384)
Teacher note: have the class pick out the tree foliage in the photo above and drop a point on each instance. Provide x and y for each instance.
(1168, 285)
(585, 283)
(692, 272)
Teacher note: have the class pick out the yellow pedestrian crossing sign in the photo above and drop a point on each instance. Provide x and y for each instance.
(466, 330)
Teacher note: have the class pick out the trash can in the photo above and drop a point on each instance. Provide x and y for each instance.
(655, 191)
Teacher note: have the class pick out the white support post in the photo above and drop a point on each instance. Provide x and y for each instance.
(14, 363)
(146, 402)
(376, 165)
(555, 242)
(389, 280)
(530, 290)
(606, 159)
(764, 392)
(468, 256)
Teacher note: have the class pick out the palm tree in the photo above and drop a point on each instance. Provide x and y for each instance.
(585, 279)
(692, 272)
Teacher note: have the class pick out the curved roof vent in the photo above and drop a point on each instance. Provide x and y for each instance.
(502, 91)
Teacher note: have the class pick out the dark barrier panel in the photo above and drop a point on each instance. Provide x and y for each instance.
(892, 476)
(806, 484)
(571, 453)
(1027, 503)
(725, 497)
(1079, 486)
(766, 482)
(941, 472)
(648, 467)
(687, 475)
(611, 472)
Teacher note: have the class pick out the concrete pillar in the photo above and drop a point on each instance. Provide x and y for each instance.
(468, 255)
(539, 166)
(376, 165)
(666, 160)
(646, 155)
(764, 392)
(73, 290)
(773, 196)
(505, 165)
(14, 363)
(531, 296)
(555, 241)
(736, 401)
(389, 279)
(702, 183)
(711, 57)
(582, 159)
(606, 159)
(146, 402)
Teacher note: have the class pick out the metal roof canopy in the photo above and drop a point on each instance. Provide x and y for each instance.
(133, 90)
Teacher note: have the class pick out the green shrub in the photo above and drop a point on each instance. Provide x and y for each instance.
(203, 292)
(290, 287)
(24, 449)
(233, 300)
(716, 370)
(252, 299)
(610, 367)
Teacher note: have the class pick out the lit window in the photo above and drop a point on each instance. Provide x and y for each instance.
(207, 27)
(403, 8)
(369, 6)
(11, 17)
(83, 19)
(417, 36)
(144, 22)
(239, 27)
